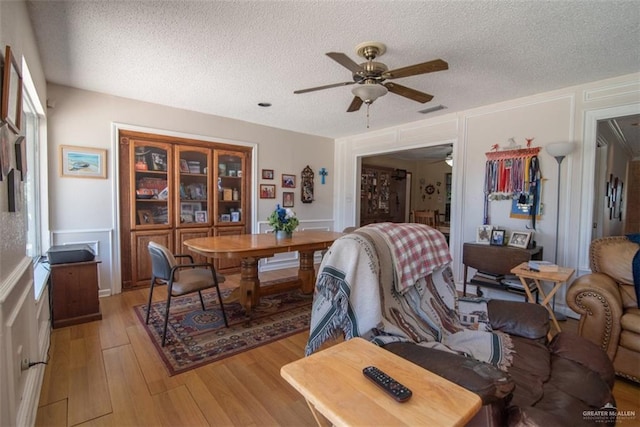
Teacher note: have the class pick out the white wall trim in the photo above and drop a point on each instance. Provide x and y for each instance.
(14, 277)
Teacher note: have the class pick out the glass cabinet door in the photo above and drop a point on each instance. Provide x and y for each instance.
(193, 190)
(151, 175)
(230, 182)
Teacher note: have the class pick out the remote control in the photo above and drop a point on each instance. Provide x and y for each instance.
(388, 384)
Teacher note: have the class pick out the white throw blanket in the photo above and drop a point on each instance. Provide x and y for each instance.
(357, 295)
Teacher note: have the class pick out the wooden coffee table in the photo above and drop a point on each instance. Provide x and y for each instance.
(338, 393)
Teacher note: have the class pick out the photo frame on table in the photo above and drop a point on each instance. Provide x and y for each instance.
(483, 234)
(267, 191)
(267, 173)
(497, 238)
(288, 199)
(11, 109)
(83, 162)
(520, 239)
(288, 181)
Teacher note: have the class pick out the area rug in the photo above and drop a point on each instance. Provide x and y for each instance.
(196, 338)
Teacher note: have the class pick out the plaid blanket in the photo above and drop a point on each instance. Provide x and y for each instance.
(417, 250)
(357, 295)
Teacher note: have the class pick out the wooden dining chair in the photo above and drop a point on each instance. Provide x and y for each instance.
(181, 279)
(429, 218)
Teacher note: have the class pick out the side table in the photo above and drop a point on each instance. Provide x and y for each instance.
(74, 293)
(332, 382)
(558, 278)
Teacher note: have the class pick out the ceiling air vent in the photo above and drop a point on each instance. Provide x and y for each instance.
(432, 109)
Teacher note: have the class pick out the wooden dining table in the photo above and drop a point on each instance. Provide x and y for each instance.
(250, 248)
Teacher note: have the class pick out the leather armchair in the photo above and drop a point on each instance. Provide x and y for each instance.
(607, 304)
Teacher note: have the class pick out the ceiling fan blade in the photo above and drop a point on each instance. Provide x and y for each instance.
(345, 61)
(412, 70)
(323, 87)
(408, 92)
(355, 105)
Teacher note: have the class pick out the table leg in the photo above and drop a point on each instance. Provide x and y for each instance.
(546, 301)
(249, 283)
(307, 272)
(525, 285)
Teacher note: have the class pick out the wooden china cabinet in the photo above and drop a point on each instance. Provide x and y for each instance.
(174, 189)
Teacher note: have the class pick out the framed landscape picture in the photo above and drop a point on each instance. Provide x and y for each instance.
(83, 162)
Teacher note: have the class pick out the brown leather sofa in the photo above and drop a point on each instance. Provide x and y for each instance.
(607, 304)
(549, 384)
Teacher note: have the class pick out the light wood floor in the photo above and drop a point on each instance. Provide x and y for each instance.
(107, 373)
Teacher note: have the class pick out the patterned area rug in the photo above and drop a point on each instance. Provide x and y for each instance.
(196, 337)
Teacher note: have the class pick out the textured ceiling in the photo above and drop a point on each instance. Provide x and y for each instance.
(224, 57)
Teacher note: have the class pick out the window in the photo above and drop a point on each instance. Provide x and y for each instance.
(31, 183)
(35, 180)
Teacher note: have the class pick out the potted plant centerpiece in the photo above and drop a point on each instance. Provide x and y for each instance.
(283, 221)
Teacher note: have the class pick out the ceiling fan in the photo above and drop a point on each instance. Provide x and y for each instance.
(370, 76)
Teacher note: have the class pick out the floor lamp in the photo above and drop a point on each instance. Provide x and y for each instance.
(559, 150)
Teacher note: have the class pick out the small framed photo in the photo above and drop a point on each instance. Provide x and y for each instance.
(267, 173)
(235, 216)
(483, 234)
(11, 110)
(145, 217)
(288, 181)
(497, 237)
(287, 199)
(267, 191)
(82, 162)
(201, 216)
(520, 239)
(184, 166)
(225, 218)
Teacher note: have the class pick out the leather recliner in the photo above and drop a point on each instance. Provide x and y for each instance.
(607, 304)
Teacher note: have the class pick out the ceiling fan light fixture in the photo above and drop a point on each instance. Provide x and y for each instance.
(369, 92)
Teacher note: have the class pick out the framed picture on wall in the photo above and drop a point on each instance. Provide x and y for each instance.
(288, 181)
(287, 199)
(83, 162)
(267, 173)
(267, 191)
(11, 110)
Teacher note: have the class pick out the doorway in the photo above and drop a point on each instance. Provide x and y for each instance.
(617, 145)
(592, 173)
(427, 185)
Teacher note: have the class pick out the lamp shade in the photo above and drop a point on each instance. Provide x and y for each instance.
(559, 149)
(369, 92)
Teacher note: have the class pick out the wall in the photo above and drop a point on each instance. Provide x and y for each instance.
(85, 210)
(24, 331)
(430, 173)
(562, 115)
(633, 199)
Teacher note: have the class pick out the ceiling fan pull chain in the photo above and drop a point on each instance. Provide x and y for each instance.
(368, 104)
